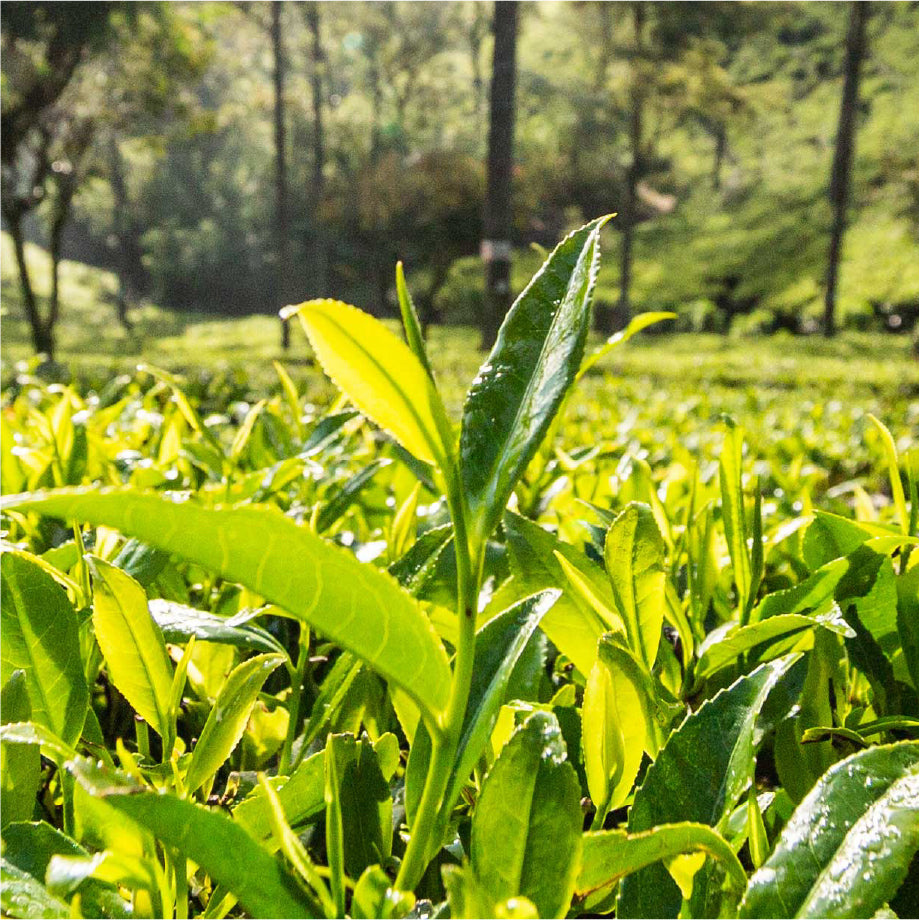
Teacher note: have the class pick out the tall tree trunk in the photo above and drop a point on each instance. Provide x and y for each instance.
(123, 271)
(840, 178)
(54, 249)
(496, 246)
(475, 36)
(721, 149)
(42, 336)
(317, 61)
(280, 182)
(635, 167)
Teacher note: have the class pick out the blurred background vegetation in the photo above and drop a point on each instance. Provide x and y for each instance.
(170, 161)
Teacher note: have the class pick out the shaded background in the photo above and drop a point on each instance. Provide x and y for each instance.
(231, 158)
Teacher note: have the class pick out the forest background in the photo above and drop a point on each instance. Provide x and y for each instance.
(228, 159)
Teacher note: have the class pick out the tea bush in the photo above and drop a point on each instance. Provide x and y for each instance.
(262, 659)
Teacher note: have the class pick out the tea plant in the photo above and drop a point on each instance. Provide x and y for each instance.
(309, 666)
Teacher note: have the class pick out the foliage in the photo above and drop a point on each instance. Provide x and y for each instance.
(740, 115)
(400, 670)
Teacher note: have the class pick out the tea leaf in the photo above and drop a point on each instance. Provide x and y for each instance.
(301, 796)
(39, 637)
(19, 763)
(635, 565)
(847, 848)
(526, 830)
(609, 856)
(179, 623)
(354, 604)
(727, 648)
(212, 840)
(133, 645)
(570, 624)
(380, 375)
(227, 719)
(613, 736)
(522, 383)
(410, 322)
(699, 776)
(735, 517)
(893, 472)
(21, 895)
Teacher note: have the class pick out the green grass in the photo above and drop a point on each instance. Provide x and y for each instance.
(771, 384)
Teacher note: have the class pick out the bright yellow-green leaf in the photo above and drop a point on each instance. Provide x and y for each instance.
(381, 375)
(893, 470)
(613, 735)
(40, 637)
(227, 720)
(635, 565)
(359, 607)
(133, 646)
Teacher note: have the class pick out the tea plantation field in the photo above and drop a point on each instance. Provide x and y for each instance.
(382, 628)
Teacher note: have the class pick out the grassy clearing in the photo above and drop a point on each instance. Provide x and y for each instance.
(778, 387)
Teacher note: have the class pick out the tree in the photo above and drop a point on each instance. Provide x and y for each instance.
(317, 67)
(496, 246)
(840, 178)
(627, 218)
(153, 60)
(45, 136)
(280, 170)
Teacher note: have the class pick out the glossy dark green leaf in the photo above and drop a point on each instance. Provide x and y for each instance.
(40, 637)
(179, 622)
(332, 694)
(908, 621)
(356, 605)
(410, 322)
(375, 898)
(847, 848)
(143, 563)
(829, 537)
(21, 895)
(699, 776)
(365, 804)
(19, 763)
(326, 430)
(216, 843)
(526, 829)
(519, 388)
(807, 595)
(870, 586)
(609, 856)
(418, 564)
(227, 719)
(499, 645)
